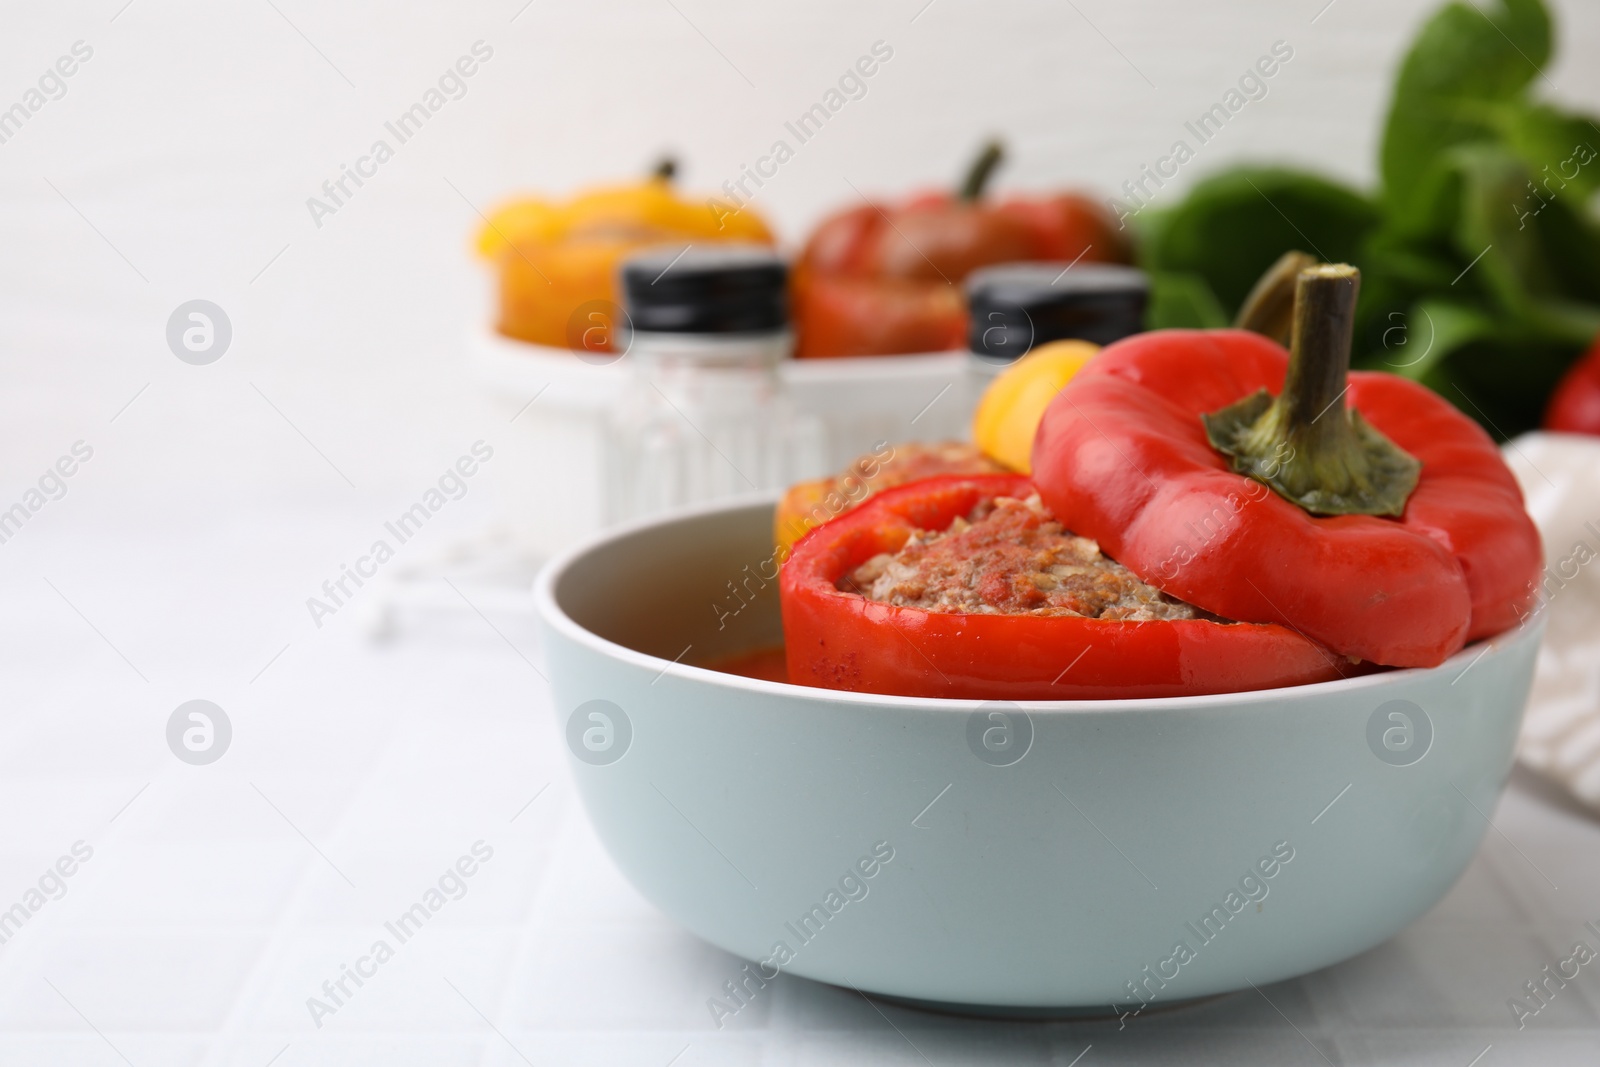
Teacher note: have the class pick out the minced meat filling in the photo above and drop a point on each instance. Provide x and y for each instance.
(1010, 557)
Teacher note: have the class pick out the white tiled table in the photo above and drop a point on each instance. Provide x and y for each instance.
(219, 898)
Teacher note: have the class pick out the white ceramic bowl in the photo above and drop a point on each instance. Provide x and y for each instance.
(1053, 857)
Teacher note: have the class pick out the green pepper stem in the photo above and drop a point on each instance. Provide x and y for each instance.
(1269, 309)
(982, 167)
(1306, 444)
(1319, 361)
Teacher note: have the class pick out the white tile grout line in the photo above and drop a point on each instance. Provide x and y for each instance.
(225, 1040)
(554, 874)
(1523, 897)
(253, 988)
(532, 932)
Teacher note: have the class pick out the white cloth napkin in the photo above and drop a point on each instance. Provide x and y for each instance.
(1560, 476)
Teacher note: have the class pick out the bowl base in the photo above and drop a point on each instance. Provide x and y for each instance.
(1038, 1013)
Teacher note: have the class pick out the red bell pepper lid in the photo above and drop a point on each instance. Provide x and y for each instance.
(1360, 509)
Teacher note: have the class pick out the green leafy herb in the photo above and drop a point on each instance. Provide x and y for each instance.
(1480, 253)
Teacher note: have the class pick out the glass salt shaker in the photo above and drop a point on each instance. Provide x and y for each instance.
(705, 415)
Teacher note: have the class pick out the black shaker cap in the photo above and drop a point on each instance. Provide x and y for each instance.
(712, 288)
(1014, 307)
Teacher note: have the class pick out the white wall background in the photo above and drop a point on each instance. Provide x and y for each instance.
(193, 137)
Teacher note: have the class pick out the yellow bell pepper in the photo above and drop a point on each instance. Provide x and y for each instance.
(1009, 412)
(553, 258)
(519, 222)
(653, 206)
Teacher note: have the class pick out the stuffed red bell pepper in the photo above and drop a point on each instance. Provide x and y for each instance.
(966, 587)
(1393, 531)
(883, 279)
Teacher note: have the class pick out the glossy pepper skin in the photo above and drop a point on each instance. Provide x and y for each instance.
(932, 238)
(840, 315)
(1122, 456)
(884, 279)
(839, 640)
(1575, 405)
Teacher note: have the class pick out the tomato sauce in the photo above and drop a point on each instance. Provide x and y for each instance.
(767, 664)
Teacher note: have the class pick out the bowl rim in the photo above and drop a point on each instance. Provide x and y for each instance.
(554, 616)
